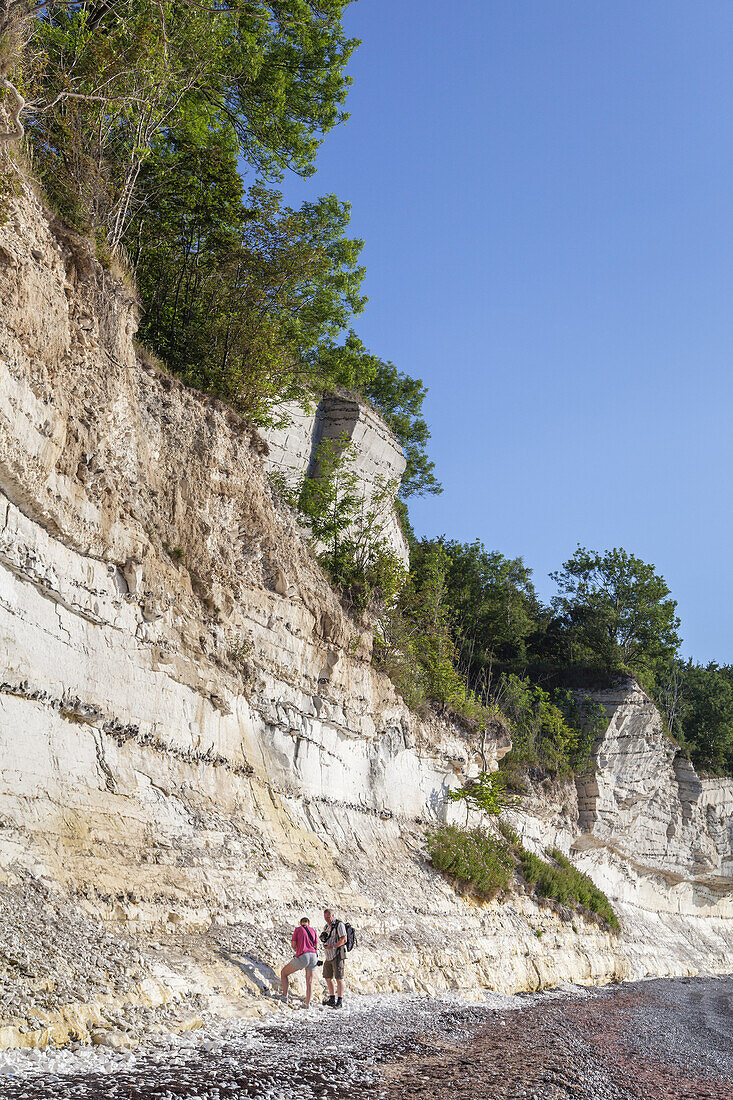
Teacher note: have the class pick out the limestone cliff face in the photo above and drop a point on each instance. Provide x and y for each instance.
(194, 746)
(378, 461)
(648, 802)
(655, 836)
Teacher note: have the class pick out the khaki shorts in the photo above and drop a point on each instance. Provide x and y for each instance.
(334, 968)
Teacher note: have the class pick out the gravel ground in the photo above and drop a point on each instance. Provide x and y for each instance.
(661, 1040)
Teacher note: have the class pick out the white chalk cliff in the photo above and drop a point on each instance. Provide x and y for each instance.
(376, 457)
(195, 748)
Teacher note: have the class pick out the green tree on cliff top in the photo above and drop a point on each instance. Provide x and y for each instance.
(618, 612)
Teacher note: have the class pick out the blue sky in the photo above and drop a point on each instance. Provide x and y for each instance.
(545, 188)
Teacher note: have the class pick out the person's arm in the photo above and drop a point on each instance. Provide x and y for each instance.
(341, 942)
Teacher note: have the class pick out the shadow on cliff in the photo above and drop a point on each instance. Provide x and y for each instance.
(262, 976)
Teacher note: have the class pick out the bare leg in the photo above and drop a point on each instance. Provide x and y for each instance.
(331, 989)
(284, 974)
(308, 987)
(340, 987)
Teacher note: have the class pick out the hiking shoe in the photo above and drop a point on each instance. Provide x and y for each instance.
(330, 1001)
(338, 1003)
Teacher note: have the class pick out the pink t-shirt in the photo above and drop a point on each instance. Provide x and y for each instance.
(304, 939)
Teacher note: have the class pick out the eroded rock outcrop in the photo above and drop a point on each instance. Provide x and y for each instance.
(375, 454)
(647, 801)
(194, 746)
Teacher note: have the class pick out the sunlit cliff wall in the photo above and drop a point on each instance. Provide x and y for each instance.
(194, 746)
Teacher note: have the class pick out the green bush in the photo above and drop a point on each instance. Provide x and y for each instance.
(472, 856)
(487, 792)
(414, 644)
(348, 532)
(488, 863)
(509, 834)
(541, 734)
(565, 884)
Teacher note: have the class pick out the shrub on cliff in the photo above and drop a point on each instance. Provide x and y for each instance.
(486, 793)
(564, 883)
(463, 623)
(414, 642)
(348, 532)
(556, 738)
(474, 857)
(489, 864)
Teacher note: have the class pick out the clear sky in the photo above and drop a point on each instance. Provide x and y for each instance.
(545, 188)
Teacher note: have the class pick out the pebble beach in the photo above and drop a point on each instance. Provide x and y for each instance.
(656, 1040)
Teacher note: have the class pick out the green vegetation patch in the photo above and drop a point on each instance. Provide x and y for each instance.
(565, 884)
(488, 864)
(468, 635)
(474, 857)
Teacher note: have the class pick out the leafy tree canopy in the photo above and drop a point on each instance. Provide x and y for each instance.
(617, 610)
(698, 704)
(104, 80)
(495, 606)
(241, 291)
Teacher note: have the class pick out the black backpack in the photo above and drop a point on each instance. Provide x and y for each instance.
(351, 940)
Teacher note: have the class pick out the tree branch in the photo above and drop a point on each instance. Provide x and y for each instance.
(17, 131)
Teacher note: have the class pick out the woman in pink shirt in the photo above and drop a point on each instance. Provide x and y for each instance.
(305, 946)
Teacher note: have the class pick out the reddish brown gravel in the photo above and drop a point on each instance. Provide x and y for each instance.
(656, 1041)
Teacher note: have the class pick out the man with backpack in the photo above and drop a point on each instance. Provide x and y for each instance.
(334, 940)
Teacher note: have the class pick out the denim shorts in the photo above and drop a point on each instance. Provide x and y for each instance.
(307, 961)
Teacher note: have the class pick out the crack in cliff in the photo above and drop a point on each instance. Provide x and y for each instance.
(52, 594)
(102, 761)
